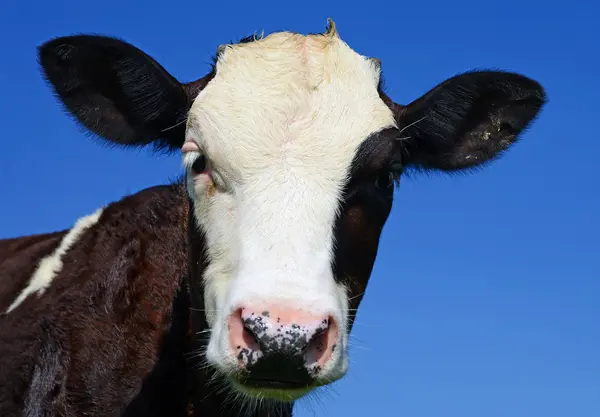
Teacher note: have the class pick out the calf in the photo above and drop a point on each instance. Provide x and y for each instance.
(232, 291)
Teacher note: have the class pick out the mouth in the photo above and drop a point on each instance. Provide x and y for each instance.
(260, 383)
(279, 390)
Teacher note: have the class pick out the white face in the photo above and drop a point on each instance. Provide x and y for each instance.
(279, 145)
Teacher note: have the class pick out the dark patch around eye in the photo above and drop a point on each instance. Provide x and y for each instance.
(379, 151)
(376, 168)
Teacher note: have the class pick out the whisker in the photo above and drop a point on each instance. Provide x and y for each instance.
(356, 296)
(360, 323)
(202, 310)
(411, 124)
(352, 339)
(174, 126)
(355, 346)
(193, 354)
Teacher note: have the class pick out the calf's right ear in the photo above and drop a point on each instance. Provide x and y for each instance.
(117, 91)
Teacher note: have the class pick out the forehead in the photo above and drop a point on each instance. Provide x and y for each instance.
(304, 98)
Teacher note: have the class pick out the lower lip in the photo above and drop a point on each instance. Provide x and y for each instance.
(274, 390)
(270, 384)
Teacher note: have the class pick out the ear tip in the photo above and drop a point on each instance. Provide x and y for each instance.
(61, 44)
(510, 78)
(45, 50)
(536, 94)
(53, 51)
(531, 84)
(525, 87)
(53, 43)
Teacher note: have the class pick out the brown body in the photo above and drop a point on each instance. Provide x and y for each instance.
(105, 332)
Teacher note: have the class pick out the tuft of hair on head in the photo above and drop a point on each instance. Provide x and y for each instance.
(331, 30)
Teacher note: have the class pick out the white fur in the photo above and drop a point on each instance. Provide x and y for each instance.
(280, 124)
(51, 265)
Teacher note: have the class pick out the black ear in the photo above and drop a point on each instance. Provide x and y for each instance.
(116, 91)
(468, 119)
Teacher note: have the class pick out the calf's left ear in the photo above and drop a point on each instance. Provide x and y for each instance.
(468, 119)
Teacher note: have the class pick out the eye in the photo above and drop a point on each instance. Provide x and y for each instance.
(385, 180)
(199, 165)
(388, 177)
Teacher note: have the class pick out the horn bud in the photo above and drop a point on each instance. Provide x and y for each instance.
(331, 30)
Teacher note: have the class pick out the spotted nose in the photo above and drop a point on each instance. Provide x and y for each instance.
(283, 348)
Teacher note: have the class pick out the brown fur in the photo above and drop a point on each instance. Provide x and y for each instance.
(19, 258)
(87, 344)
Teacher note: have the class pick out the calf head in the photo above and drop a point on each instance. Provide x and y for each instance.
(291, 151)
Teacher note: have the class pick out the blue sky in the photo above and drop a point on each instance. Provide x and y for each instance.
(483, 300)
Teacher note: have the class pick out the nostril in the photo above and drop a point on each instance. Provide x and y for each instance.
(250, 339)
(319, 343)
(242, 340)
(322, 345)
